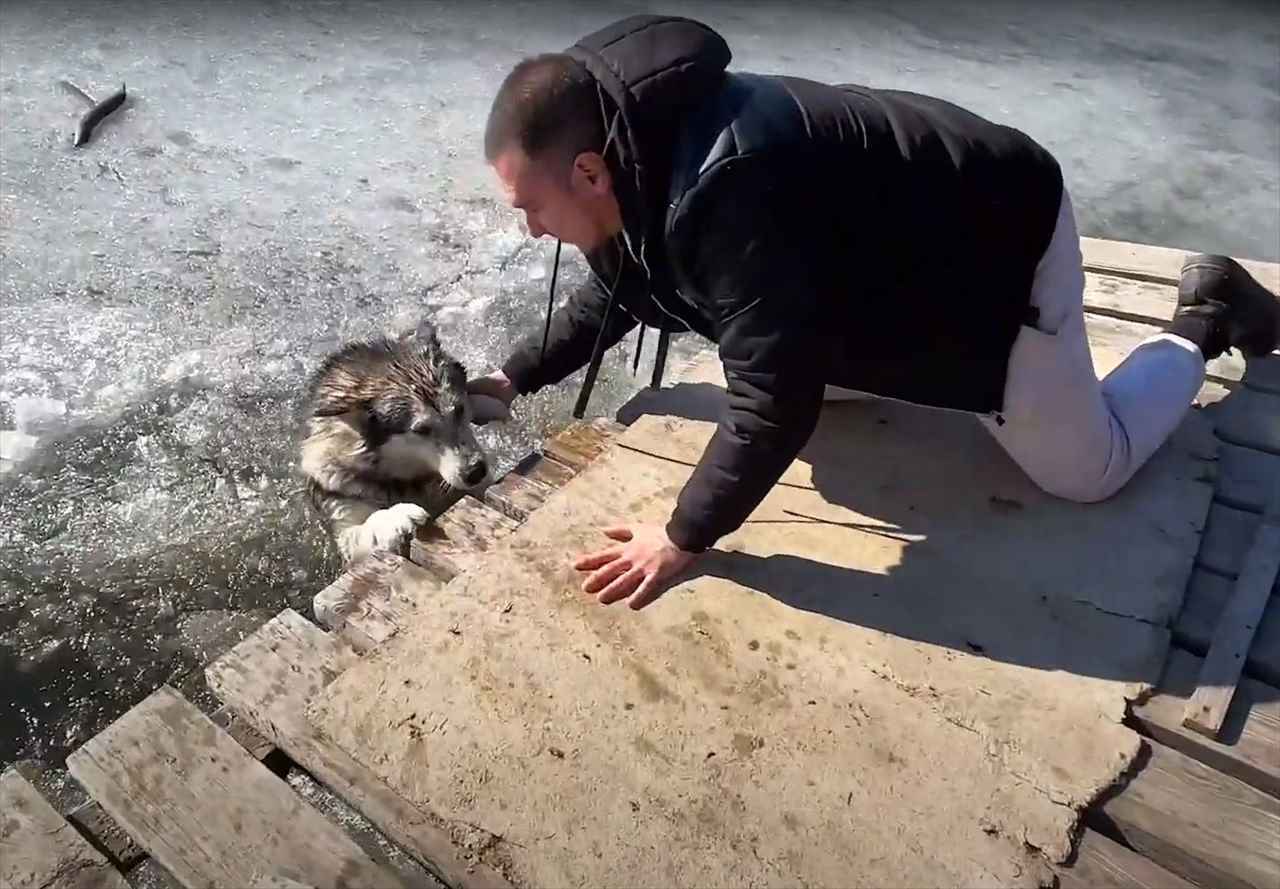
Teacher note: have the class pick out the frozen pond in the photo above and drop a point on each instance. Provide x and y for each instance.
(286, 176)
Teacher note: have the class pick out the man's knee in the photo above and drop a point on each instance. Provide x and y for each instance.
(1083, 489)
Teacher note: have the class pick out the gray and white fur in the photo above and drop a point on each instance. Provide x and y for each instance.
(388, 440)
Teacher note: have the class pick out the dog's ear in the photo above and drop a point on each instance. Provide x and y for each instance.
(335, 403)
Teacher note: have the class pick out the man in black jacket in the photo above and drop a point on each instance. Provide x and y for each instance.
(826, 236)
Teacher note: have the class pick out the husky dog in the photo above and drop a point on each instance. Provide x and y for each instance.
(388, 440)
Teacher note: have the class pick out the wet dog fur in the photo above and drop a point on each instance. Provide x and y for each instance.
(388, 441)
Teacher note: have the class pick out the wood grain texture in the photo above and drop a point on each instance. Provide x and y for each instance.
(269, 678)
(1206, 597)
(207, 810)
(1247, 747)
(516, 496)
(1234, 633)
(450, 543)
(581, 442)
(39, 849)
(1102, 863)
(359, 605)
(1233, 636)
(1162, 265)
(1195, 821)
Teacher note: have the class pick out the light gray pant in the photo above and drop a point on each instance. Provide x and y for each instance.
(1077, 437)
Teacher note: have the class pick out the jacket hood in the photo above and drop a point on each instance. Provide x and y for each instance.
(650, 68)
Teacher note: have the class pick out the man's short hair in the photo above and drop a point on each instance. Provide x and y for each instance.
(549, 107)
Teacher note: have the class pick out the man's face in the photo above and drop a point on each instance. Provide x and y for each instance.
(579, 209)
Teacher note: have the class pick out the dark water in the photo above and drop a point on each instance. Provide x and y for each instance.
(289, 175)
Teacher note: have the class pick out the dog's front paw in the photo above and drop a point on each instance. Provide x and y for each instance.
(392, 528)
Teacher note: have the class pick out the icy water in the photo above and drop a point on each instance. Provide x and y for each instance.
(287, 176)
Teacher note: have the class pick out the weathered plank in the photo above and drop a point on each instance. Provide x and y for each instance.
(539, 468)
(580, 443)
(359, 605)
(114, 841)
(1131, 300)
(1102, 863)
(1207, 596)
(1250, 418)
(268, 679)
(1204, 826)
(1237, 625)
(1245, 476)
(1248, 747)
(39, 849)
(1264, 374)
(1228, 532)
(450, 543)
(516, 496)
(1161, 265)
(207, 810)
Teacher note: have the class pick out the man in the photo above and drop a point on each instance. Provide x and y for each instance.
(827, 236)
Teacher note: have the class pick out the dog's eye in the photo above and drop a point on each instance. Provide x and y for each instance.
(423, 429)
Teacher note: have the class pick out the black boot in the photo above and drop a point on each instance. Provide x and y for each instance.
(1222, 306)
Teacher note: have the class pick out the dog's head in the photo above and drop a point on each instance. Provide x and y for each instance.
(407, 399)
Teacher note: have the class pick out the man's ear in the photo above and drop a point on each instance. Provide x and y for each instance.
(591, 172)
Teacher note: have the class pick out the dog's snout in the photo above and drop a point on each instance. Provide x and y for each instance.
(475, 472)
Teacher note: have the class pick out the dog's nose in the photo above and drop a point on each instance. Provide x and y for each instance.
(475, 473)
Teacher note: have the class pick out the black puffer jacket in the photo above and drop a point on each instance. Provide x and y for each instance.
(873, 239)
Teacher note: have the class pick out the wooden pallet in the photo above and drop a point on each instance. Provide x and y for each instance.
(1202, 811)
(204, 797)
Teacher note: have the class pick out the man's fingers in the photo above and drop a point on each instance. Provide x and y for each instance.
(598, 558)
(603, 576)
(621, 587)
(647, 592)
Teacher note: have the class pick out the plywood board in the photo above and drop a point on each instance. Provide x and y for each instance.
(874, 619)
(269, 677)
(207, 810)
(39, 849)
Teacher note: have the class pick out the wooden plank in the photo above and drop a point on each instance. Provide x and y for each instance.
(1161, 265)
(1195, 821)
(1206, 598)
(359, 605)
(539, 468)
(207, 810)
(110, 838)
(516, 496)
(114, 841)
(1131, 300)
(580, 443)
(39, 849)
(1102, 863)
(1232, 638)
(1244, 477)
(1264, 374)
(268, 679)
(1249, 418)
(1228, 532)
(1247, 746)
(448, 545)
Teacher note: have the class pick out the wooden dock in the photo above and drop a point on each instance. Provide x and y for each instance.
(203, 797)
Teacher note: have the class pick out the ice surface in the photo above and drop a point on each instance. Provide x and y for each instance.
(288, 175)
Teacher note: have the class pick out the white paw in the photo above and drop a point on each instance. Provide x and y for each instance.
(392, 528)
